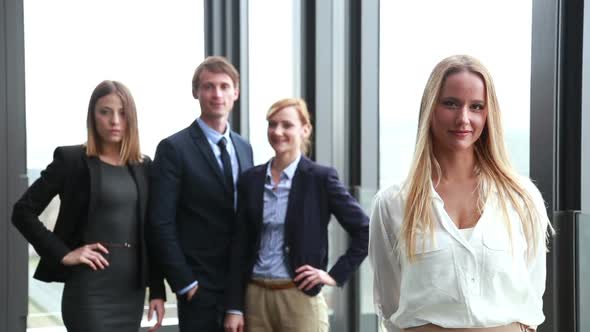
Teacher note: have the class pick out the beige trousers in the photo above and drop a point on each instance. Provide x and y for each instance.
(285, 310)
(514, 327)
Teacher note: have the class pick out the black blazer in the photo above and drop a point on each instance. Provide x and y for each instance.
(316, 193)
(191, 212)
(75, 177)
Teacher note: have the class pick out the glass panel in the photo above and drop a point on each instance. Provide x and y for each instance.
(271, 37)
(70, 47)
(368, 319)
(448, 28)
(583, 269)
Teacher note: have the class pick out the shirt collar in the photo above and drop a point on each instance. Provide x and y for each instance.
(435, 195)
(212, 134)
(289, 171)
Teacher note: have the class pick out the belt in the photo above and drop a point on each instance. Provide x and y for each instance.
(514, 327)
(273, 285)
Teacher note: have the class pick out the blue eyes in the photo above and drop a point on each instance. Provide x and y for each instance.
(454, 105)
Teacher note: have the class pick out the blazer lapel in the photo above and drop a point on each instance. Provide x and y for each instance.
(296, 195)
(95, 178)
(241, 153)
(139, 177)
(203, 145)
(141, 185)
(258, 196)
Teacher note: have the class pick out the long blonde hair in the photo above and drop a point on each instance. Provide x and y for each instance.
(130, 151)
(493, 164)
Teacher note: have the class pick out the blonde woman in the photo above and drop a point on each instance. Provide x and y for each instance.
(461, 244)
(97, 246)
(280, 249)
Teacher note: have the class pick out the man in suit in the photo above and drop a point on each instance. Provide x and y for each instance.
(193, 198)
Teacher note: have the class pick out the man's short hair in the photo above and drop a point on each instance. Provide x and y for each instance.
(218, 65)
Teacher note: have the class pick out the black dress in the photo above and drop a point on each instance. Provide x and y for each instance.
(110, 299)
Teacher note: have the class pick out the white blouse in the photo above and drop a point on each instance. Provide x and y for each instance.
(466, 233)
(485, 281)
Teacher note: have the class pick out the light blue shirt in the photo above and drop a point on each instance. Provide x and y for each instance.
(272, 261)
(213, 138)
(187, 288)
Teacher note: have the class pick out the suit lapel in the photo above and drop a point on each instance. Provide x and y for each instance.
(295, 205)
(95, 178)
(137, 173)
(241, 153)
(203, 146)
(258, 195)
(141, 186)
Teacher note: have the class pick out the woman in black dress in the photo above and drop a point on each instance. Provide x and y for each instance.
(97, 246)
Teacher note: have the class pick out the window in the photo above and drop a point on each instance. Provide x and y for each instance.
(583, 272)
(272, 63)
(414, 40)
(72, 46)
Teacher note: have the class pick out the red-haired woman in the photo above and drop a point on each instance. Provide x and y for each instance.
(280, 253)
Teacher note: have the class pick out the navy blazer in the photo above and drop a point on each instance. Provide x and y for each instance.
(191, 213)
(316, 194)
(75, 177)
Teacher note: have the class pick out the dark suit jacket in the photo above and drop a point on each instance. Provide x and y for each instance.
(191, 210)
(75, 177)
(316, 193)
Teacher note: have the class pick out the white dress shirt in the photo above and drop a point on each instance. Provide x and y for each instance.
(484, 281)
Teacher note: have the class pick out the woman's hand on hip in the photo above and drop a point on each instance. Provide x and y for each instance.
(309, 277)
(89, 254)
(157, 306)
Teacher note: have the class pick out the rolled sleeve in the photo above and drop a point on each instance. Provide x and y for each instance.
(385, 263)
